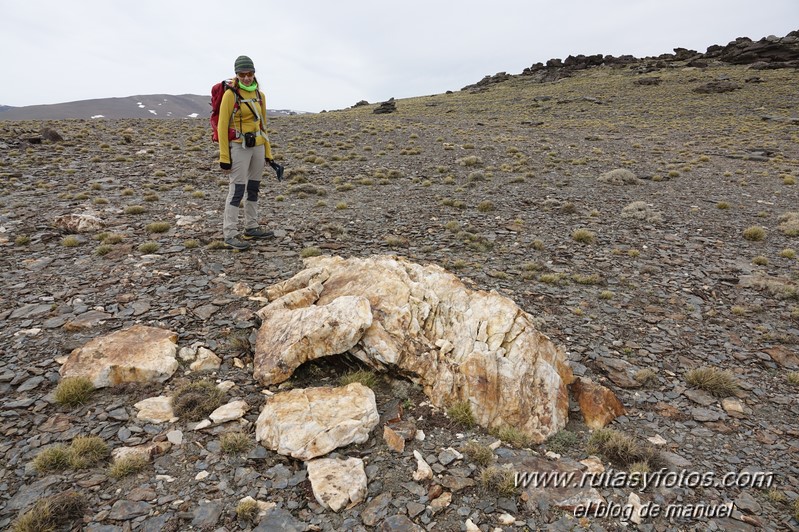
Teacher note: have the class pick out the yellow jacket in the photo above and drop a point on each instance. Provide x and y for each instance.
(244, 121)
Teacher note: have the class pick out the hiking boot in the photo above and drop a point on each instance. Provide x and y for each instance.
(257, 232)
(236, 244)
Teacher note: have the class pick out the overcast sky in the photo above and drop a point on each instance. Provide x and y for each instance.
(329, 54)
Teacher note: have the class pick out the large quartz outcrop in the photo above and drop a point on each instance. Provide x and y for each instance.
(459, 344)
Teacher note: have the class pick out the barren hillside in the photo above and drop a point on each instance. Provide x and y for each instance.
(687, 260)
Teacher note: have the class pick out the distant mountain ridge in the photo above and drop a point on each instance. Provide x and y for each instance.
(141, 106)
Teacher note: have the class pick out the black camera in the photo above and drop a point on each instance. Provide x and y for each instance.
(249, 139)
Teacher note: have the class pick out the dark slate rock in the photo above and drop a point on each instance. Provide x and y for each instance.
(125, 510)
(207, 514)
(280, 519)
(399, 523)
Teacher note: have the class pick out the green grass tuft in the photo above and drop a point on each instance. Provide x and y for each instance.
(127, 466)
(367, 378)
(512, 436)
(461, 413)
(73, 391)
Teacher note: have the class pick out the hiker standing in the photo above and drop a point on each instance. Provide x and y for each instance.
(243, 149)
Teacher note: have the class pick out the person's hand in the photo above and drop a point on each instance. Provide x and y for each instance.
(226, 167)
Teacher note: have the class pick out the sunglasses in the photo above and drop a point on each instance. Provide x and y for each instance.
(245, 74)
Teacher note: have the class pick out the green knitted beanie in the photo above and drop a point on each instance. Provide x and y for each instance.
(243, 64)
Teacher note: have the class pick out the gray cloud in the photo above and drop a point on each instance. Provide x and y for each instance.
(314, 55)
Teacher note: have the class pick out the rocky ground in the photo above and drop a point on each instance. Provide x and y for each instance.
(490, 183)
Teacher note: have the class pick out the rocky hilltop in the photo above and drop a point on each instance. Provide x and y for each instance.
(767, 53)
(637, 223)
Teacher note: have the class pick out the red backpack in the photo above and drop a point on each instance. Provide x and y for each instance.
(217, 91)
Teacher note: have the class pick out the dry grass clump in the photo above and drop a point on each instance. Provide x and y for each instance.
(127, 466)
(498, 480)
(235, 443)
(135, 209)
(52, 513)
(311, 251)
(113, 238)
(793, 378)
(158, 227)
(619, 176)
(472, 160)
(70, 241)
(754, 233)
(789, 223)
(55, 458)
(646, 376)
(86, 451)
(588, 279)
(562, 441)
(367, 378)
(778, 287)
(775, 495)
(639, 210)
(716, 382)
(196, 400)
(247, 510)
(584, 236)
(555, 278)
(486, 206)
(623, 450)
(395, 241)
(478, 453)
(83, 452)
(103, 250)
(149, 247)
(461, 413)
(512, 436)
(73, 391)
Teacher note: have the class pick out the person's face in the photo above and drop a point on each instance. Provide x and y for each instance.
(246, 77)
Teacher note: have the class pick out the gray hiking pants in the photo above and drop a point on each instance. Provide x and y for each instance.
(245, 182)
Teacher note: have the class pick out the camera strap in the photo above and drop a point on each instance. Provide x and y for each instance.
(253, 109)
